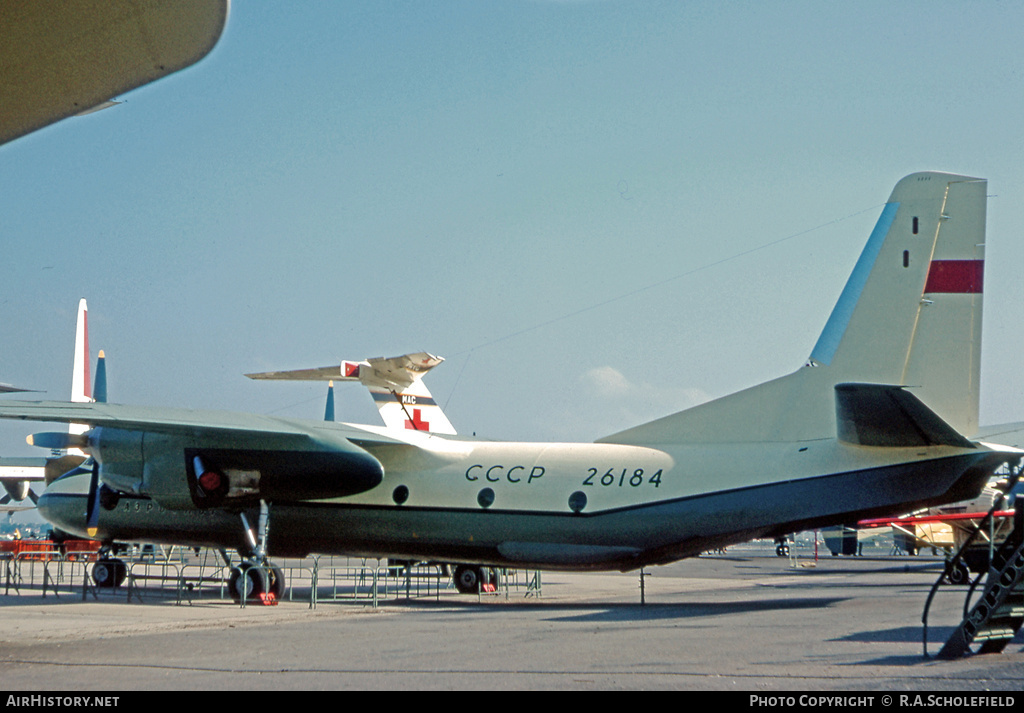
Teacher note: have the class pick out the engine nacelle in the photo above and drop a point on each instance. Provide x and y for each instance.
(17, 489)
(185, 473)
(221, 477)
(120, 456)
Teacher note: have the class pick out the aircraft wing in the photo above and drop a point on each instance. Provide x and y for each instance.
(11, 389)
(384, 372)
(22, 469)
(923, 519)
(1006, 434)
(16, 476)
(405, 369)
(186, 422)
(7, 507)
(62, 59)
(288, 459)
(323, 373)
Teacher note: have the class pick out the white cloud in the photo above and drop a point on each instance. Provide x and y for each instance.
(606, 381)
(607, 401)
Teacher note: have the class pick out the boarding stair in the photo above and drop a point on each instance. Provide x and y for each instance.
(997, 615)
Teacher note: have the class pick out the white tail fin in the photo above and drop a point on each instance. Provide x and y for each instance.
(80, 391)
(411, 408)
(910, 315)
(80, 373)
(396, 384)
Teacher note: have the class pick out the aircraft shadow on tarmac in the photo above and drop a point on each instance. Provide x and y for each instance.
(691, 610)
(937, 636)
(900, 634)
(612, 612)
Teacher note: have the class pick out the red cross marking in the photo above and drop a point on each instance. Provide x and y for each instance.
(417, 423)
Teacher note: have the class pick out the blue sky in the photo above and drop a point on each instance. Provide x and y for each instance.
(598, 212)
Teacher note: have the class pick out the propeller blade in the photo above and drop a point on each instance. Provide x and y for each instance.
(92, 513)
(56, 439)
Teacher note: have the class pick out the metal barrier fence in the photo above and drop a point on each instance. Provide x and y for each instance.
(185, 575)
(51, 572)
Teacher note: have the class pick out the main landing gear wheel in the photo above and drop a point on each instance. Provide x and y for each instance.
(109, 572)
(276, 581)
(472, 579)
(249, 582)
(468, 579)
(252, 581)
(782, 547)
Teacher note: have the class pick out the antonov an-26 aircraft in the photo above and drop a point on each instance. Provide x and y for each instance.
(876, 423)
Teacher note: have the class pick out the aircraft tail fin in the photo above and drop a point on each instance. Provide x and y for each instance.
(395, 383)
(411, 408)
(80, 372)
(329, 407)
(99, 388)
(910, 315)
(80, 391)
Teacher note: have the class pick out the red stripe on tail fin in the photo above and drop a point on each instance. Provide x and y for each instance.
(955, 276)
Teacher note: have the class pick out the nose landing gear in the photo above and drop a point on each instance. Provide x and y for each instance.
(256, 583)
(256, 579)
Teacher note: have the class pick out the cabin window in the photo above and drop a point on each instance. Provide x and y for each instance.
(915, 225)
(906, 258)
(485, 498)
(577, 501)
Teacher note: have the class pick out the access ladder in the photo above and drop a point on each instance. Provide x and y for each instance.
(998, 614)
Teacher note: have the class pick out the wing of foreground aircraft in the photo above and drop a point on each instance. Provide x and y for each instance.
(842, 439)
(395, 383)
(67, 58)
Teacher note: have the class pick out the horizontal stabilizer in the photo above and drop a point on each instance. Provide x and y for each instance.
(890, 416)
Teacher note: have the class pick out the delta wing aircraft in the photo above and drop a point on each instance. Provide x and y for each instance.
(874, 425)
(396, 385)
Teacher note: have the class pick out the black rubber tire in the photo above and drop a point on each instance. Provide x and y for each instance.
(109, 573)
(254, 583)
(468, 578)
